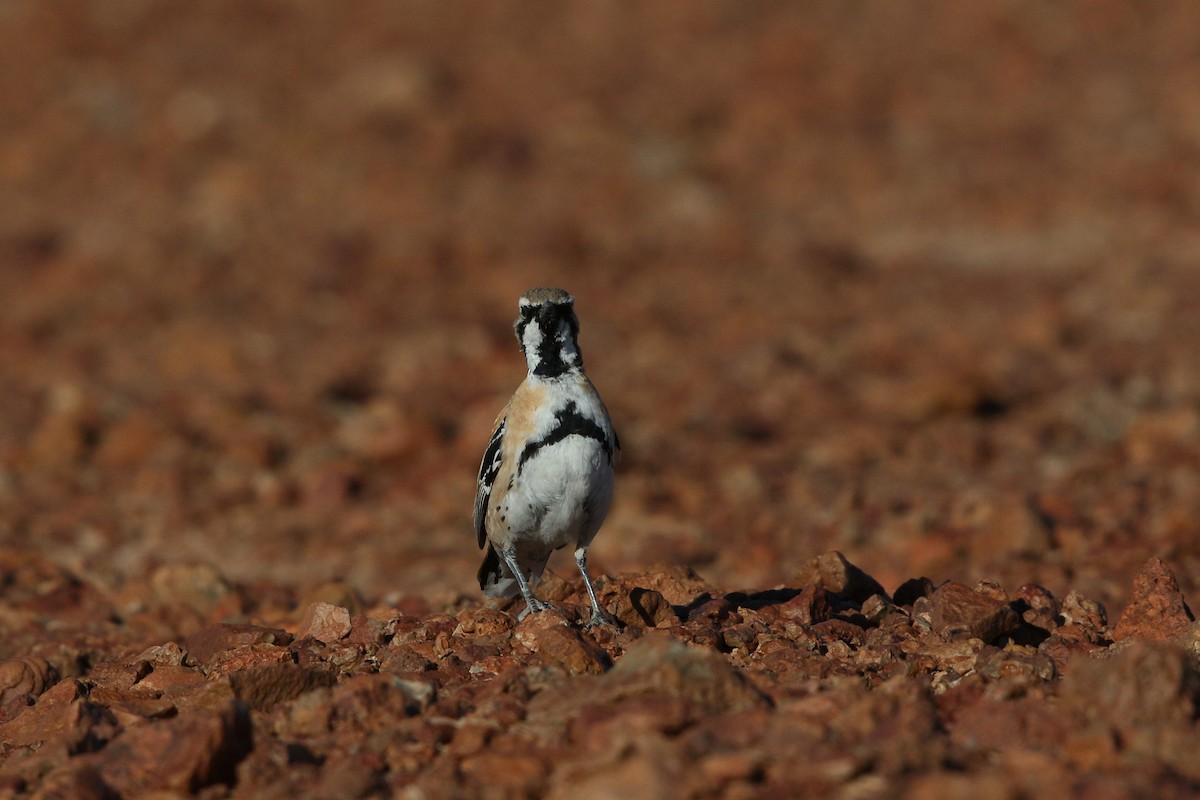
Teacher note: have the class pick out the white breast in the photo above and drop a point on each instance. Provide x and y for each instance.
(562, 494)
(562, 491)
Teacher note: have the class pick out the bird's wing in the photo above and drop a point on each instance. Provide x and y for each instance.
(489, 468)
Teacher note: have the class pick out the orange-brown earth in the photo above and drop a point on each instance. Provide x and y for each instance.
(912, 283)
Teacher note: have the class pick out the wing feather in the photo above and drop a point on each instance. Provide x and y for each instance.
(489, 468)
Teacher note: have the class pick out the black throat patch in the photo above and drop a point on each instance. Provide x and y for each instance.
(557, 351)
(567, 422)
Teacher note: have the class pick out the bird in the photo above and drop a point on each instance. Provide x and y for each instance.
(547, 474)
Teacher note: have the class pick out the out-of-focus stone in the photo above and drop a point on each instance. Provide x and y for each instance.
(651, 769)
(1156, 611)
(325, 623)
(335, 593)
(130, 441)
(1147, 684)
(983, 785)
(362, 703)
(382, 431)
(73, 781)
(657, 662)
(833, 573)
(1010, 527)
(959, 611)
(182, 754)
(197, 586)
(505, 774)
(25, 676)
(596, 727)
(264, 687)
(655, 666)
(63, 434)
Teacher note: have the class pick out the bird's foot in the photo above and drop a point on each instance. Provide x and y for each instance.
(534, 607)
(600, 617)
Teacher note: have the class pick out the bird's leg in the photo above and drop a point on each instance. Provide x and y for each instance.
(599, 615)
(509, 554)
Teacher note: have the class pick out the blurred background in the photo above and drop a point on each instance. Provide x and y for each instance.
(915, 281)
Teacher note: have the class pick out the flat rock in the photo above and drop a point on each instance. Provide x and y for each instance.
(182, 754)
(61, 713)
(324, 622)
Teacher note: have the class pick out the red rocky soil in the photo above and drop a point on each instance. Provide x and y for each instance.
(913, 283)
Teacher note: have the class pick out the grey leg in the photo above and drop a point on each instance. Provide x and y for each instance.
(509, 554)
(599, 615)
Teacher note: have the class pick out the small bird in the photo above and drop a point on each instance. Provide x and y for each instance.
(546, 480)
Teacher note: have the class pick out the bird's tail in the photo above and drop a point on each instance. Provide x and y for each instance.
(496, 579)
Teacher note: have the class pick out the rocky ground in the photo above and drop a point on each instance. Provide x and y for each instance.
(911, 283)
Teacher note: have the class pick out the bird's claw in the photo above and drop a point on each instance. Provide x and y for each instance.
(600, 618)
(536, 607)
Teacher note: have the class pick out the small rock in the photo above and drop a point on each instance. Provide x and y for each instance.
(324, 622)
(169, 654)
(877, 607)
(809, 607)
(1084, 620)
(483, 622)
(636, 605)
(560, 645)
(208, 642)
(1157, 611)
(25, 676)
(1018, 668)
(833, 573)
(678, 584)
(959, 611)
